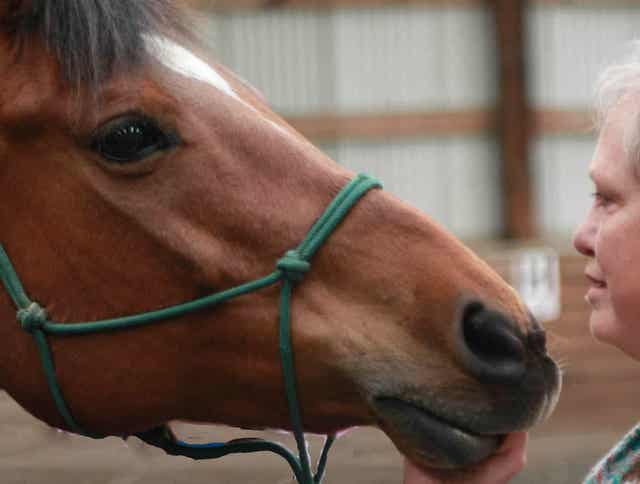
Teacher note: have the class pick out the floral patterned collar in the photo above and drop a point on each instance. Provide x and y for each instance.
(621, 464)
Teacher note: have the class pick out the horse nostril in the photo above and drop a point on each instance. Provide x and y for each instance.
(494, 351)
(537, 341)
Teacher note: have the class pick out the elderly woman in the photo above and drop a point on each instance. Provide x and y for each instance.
(610, 239)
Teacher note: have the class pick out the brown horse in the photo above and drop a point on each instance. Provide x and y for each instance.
(136, 175)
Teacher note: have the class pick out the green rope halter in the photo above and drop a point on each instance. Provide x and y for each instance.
(290, 270)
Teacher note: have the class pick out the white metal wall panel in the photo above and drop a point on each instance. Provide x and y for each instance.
(412, 58)
(389, 59)
(284, 53)
(415, 171)
(562, 186)
(455, 181)
(208, 30)
(570, 45)
(469, 58)
(360, 60)
(475, 197)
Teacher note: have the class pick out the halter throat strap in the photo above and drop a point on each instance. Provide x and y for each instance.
(290, 270)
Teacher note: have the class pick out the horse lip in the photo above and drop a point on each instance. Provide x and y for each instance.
(434, 440)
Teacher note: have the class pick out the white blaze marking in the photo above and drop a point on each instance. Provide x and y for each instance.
(185, 63)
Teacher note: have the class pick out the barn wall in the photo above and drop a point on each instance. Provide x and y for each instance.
(434, 58)
(569, 46)
(373, 60)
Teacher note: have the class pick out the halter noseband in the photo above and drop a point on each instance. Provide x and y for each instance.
(290, 269)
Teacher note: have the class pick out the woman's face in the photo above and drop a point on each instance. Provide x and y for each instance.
(610, 235)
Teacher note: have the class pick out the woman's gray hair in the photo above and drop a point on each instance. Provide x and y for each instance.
(615, 82)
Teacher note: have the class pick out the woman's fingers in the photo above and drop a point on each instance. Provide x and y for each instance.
(500, 468)
(508, 461)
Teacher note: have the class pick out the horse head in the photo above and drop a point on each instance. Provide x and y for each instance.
(136, 174)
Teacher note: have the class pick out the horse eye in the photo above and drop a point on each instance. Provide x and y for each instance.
(130, 139)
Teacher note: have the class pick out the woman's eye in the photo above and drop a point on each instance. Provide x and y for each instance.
(130, 139)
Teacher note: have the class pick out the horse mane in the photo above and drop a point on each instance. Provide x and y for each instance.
(91, 40)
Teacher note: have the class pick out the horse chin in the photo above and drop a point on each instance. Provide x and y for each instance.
(430, 440)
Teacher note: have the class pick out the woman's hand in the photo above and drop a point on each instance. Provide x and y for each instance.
(500, 468)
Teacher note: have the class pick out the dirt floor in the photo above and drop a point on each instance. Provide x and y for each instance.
(31, 453)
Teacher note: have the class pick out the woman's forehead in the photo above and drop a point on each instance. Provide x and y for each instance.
(621, 126)
(616, 158)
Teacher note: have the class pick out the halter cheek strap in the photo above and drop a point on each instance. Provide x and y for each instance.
(290, 270)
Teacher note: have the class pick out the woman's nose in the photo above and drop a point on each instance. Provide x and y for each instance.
(584, 236)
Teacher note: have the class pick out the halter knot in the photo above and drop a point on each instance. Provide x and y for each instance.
(33, 317)
(293, 266)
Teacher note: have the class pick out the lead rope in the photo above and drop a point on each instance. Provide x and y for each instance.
(290, 269)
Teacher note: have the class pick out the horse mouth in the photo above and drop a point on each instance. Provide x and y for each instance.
(432, 440)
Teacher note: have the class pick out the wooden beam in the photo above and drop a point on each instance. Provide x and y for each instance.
(325, 4)
(513, 116)
(562, 122)
(472, 122)
(588, 3)
(394, 125)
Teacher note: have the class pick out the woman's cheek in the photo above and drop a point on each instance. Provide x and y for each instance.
(617, 253)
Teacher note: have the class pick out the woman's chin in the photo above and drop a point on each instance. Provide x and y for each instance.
(602, 324)
(607, 329)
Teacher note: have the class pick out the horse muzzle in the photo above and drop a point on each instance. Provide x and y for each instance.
(509, 384)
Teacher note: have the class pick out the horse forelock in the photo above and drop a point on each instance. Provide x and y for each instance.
(91, 40)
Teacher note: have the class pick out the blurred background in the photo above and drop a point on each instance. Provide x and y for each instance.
(479, 113)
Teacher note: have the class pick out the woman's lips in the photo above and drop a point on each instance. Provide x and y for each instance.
(595, 282)
(596, 288)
